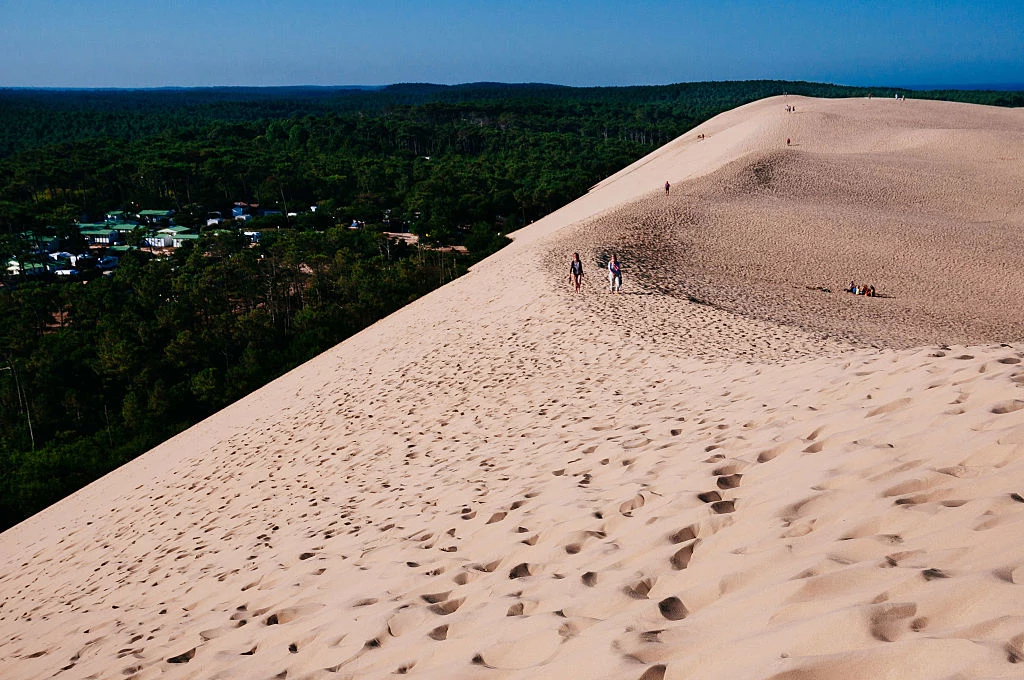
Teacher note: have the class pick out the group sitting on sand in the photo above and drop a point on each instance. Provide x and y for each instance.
(614, 273)
(864, 289)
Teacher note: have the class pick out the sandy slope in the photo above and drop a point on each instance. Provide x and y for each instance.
(506, 480)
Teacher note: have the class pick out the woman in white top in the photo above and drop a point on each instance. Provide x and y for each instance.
(614, 275)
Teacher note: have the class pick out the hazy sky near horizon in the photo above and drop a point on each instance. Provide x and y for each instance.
(125, 43)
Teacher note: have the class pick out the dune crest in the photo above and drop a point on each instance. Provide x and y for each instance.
(725, 471)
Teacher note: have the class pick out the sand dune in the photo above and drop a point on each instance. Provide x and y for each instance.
(507, 480)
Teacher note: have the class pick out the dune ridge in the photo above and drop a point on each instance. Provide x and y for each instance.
(723, 472)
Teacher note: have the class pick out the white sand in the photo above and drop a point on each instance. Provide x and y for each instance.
(506, 480)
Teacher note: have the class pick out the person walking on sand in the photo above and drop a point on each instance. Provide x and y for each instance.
(666, 187)
(614, 275)
(576, 271)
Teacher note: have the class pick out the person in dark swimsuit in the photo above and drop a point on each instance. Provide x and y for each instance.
(576, 271)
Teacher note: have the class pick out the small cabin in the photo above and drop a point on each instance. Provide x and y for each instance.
(99, 234)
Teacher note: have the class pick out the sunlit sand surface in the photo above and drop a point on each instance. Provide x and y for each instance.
(724, 472)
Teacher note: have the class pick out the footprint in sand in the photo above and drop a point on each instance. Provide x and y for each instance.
(183, 658)
(462, 578)
(729, 481)
(434, 598)
(656, 672)
(887, 622)
(1015, 649)
(1008, 406)
(724, 507)
(632, 504)
(687, 533)
(641, 589)
(406, 619)
(681, 558)
(673, 609)
(447, 607)
(522, 571)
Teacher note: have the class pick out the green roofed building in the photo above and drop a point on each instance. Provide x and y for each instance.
(178, 240)
(123, 227)
(152, 216)
(99, 234)
(173, 231)
(42, 244)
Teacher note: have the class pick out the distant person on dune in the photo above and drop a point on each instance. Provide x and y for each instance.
(576, 271)
(615, 275)
(666, 187)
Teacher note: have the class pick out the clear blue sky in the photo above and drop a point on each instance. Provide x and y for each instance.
(136, 43)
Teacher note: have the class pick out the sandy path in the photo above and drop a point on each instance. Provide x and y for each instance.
(507, 480)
